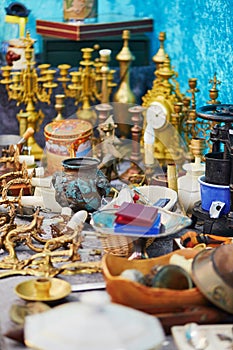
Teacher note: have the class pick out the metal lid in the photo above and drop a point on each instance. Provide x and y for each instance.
(212, 272)
(17, 9)
(68, 128)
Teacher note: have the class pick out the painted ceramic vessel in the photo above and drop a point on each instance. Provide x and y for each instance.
(81, 185)
(189, 187)
(64, 139)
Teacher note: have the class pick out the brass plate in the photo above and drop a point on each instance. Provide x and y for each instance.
(19, 312)
(59, 289)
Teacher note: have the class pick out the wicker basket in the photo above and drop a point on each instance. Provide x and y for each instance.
(120, 245)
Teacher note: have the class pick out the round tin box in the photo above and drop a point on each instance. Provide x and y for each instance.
(66, 139)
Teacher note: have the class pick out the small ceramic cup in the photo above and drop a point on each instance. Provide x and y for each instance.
(42, 286)
(172, 277)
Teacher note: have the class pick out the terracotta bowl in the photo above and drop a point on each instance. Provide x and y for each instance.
(144, 298)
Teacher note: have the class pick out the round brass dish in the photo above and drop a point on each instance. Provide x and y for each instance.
(27, 290)
(18, 312)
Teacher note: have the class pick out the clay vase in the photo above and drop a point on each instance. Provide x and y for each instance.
(81, 185)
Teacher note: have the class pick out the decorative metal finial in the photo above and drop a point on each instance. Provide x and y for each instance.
(160, 56)
(213, 92)
(124, 94)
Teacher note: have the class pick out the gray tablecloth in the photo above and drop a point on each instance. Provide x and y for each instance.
(8, 296)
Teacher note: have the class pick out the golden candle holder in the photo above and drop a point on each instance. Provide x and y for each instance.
(192, 127)
(197, 146)
(124, 94)
(91, 83)
(193, 89)
(160, 55)
(27, 88)
(213, 92)
(59, 105)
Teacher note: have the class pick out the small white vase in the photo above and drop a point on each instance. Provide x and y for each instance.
(188, 185)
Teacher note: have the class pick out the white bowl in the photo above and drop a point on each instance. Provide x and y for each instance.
(94, 323)
(154, 193)
(149, 196)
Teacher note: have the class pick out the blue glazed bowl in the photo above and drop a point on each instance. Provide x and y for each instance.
(211, 192)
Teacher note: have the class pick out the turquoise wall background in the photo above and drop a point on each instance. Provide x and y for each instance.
(199, 35)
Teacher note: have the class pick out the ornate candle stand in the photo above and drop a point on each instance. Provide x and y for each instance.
(135, 174)
(27, 88)
(136, 131)
(124, 93)
(160, 99)
(189, 123)
(160, 56)
(213, 92)
(192, 126)
(59, 105)
(104, 110)
(92, 82)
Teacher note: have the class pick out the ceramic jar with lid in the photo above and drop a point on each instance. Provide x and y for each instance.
(64, 139)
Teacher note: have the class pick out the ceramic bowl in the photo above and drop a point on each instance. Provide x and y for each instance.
(141, 297)
(155, 193)
(93, 323)
(150, 195)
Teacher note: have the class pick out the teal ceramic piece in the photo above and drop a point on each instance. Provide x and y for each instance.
(80, 185)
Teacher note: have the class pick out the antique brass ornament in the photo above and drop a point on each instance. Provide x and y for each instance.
(160, 102)
(213, 92)
(165, 110)
(171, 114)
(193, 127)
(26, 87)
(160, 56)
(124, 93)
(53, 255)
(92, 82)
(56, 251)
(59, 105)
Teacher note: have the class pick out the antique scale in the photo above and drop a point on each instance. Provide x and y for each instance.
(218, 162)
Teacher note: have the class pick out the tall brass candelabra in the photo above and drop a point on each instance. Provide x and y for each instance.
(27, 88)
(91, 83)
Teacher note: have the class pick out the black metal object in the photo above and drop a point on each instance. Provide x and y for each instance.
(219, 163)
(17, 9)
(203, 215)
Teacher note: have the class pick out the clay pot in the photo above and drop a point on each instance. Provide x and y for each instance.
(81, 185)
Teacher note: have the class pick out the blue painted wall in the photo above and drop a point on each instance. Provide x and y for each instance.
(199, 35)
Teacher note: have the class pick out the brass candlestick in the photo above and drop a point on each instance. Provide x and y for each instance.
(197, 146)
(104, 110)
(124, 93)
(59, 105)
(91, 83)
(27, 88)
(103, 113)
(193, 90)
(135, 172)
(189, 126)
(213, 92)
(192, 127)
(160, 56)
(136, 131)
